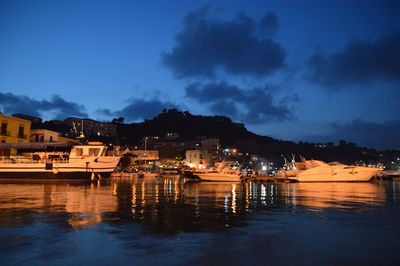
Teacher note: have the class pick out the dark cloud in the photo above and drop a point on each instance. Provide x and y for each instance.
(253, 106)
(269, 23)
(141, 109)
(359, 63)
(206, 45)
(57, 106)
(227, 107)
(105, 112)
(368, 134)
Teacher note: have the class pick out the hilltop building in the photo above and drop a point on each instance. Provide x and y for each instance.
(92, 128)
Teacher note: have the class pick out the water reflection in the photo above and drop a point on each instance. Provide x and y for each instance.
(199, 222)
(169, 205)
(334, 195)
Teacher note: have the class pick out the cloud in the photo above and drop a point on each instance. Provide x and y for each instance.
(206, 45)
(56, 106)
(105, 112)
(141, 109)
(358, 63)
(269, 23)
(254, 106)
(375, 135)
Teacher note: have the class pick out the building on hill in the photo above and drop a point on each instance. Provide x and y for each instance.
(92, 128)
(171, 136)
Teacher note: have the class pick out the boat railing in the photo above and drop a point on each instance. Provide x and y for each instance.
(11, 160)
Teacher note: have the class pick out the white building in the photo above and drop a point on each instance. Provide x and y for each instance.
(197, 159)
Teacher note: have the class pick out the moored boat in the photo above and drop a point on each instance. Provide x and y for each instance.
(41, 161)
(335, 172)
(222, 172)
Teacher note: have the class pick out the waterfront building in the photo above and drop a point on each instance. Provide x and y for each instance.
(13, 130)
(197, 159)
(141, 157)
(43, 135)
(144, 155)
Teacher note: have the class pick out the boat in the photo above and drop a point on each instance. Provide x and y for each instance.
(221, 172)
(292, 168)
(319, 171)
(42, 161)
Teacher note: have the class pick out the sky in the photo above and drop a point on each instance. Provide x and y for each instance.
(314, 71)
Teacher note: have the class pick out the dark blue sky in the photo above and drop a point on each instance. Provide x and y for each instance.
(296, 70)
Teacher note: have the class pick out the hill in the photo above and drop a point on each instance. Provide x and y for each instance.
(235, 135)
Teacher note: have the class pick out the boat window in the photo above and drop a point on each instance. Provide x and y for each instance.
(79, 152)
(94, 151)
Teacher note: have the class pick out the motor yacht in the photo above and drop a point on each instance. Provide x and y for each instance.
(319, 171)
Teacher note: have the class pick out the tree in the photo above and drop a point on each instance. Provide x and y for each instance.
(118, 120)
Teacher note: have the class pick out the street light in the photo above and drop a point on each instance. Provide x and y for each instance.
(145, 149)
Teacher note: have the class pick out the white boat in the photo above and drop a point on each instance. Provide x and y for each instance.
(222, 172)
(319, 171)
(82, 162)
(292, 168)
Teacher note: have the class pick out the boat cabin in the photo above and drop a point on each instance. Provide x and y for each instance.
(81, 151)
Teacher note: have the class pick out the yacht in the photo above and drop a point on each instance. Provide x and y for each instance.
(319, 171)
(42, 161)
(222, 172)
(291, 168)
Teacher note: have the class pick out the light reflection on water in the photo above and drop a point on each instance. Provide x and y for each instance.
(65, 223)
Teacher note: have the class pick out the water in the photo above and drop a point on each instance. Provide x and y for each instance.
(143, 221)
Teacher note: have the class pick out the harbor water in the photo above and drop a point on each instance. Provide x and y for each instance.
(166, 221)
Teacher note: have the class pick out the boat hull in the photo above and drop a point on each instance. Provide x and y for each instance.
(220, 177)
(337, 174)
(49, 175)
(89, 169)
